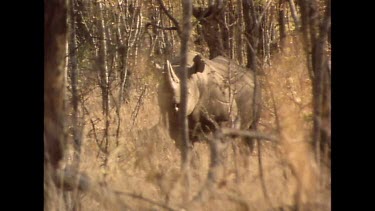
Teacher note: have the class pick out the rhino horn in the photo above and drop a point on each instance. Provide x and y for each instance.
(172, 77)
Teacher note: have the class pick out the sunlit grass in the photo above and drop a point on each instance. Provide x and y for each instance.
(147, 162)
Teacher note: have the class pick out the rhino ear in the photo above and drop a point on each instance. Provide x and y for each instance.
(198, 66)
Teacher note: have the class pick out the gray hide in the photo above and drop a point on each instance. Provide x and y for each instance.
(218, 90)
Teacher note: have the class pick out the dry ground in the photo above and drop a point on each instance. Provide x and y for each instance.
(143, 171)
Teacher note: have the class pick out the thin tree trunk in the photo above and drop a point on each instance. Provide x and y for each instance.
(294, 14)
(251, 29)
(315, 36)
(171, 31)
(137, 33)
(73, 64)
(231, 18)
(282, 23)
(305, 27)
(102, 58)
(103, 68)
(123, 56)
(184, 137)
(239, 27)
(320, 67)
(269, 25)
(225, 33)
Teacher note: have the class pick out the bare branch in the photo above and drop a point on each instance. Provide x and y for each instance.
(161, 27)
(175, 22)
(294, 14)
(134, 114)
(259, 20)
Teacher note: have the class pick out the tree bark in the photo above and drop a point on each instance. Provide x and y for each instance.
(184, 136)
(239, 29)
(55, 13)
(103, 71)
(73, 66)
(214, 30)
(251, 33)
(316, 37)
(319, 84)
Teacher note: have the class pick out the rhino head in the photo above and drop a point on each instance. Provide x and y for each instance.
(196, 79)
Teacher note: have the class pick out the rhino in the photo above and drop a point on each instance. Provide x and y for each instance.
(220, 92)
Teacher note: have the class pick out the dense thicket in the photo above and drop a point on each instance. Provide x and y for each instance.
(101, 43)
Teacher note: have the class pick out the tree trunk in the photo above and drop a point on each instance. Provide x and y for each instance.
(184, 137)
(212, 37)
(239, 27)
(55, 13)
(103, 69)
(251, 33)
(225, 33)
(214, 30)
(320, 91)
(315, 41)
(305, 26)
(73, 66)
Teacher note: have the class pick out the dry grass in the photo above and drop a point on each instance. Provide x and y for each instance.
(145, 166)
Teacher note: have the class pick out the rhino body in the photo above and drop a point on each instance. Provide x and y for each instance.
(219, 91)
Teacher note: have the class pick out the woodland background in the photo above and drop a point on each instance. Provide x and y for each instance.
(106, 147)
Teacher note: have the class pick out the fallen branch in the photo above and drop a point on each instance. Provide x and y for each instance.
(145, 199)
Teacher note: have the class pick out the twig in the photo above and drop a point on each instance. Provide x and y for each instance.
(263, 12)
(94, 131)
(138, 106)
